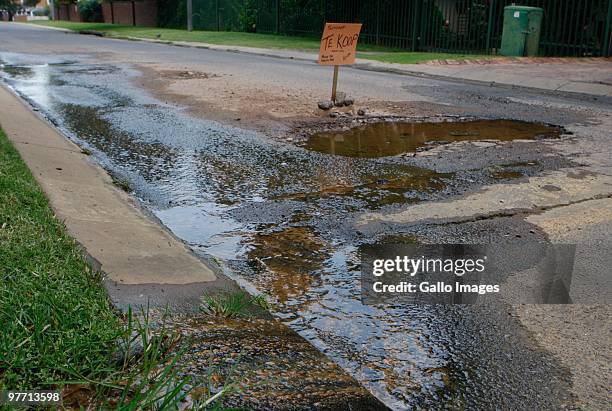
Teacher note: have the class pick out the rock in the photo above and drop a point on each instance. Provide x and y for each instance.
(349, 101)
(340, 97)
(483, 144)
(325, 104)
(361, 112)
(128, 351)
(333, 114)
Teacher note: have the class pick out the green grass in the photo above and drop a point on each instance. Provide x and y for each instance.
(58, 327)
(54, 311)
(122, 183)
(232, 305)
(406, 57)
(229, 38)
(367, 51)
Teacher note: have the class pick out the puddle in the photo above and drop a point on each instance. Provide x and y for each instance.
(506, 174)
(290, 262)
(513, 171)
(398, 185)
(391, 138)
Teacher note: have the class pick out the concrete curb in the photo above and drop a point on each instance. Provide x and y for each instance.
(42, 27)
(415, 70)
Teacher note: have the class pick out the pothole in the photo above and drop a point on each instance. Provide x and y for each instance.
(384, 139)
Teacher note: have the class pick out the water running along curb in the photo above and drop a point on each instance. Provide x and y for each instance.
(101, 217)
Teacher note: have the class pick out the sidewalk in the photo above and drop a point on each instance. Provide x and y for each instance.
(586, 75)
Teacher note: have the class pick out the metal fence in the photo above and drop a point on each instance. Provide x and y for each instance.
(569, 28)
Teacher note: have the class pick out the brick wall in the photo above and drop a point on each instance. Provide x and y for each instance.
(67, 12)
(62, 12)
(124, 11)
(127, 12)
(73, 13)
(146, 13)
(107, 12)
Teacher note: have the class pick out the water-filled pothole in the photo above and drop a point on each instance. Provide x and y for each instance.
(392, 138)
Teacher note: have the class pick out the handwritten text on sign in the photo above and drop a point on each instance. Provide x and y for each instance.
(339, 43)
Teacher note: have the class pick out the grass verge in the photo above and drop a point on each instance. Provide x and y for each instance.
(53, 309)
(59, 330)
(367, 51)
(229, 38)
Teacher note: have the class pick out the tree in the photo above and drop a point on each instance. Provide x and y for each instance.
(9, 7)
(90, 10)
(248, 16)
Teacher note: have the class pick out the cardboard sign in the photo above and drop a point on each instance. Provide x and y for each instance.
(339, 43)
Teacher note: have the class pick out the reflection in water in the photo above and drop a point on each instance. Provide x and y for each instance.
(392, 138)
(505, 174)
(292, 258)
(394, 184)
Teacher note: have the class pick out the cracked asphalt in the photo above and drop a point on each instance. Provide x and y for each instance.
(285, 221)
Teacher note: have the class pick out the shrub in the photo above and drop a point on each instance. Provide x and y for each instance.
(247, 16)
(90, 10)
(172, 14)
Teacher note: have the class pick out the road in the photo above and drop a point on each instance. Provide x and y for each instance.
(213, 144)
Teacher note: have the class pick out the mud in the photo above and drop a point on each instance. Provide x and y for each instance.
(291, 258)
(268, 366)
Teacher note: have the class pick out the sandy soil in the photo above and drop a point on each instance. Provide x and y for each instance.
(274, 109)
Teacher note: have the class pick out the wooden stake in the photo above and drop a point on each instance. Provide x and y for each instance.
(335, 83)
